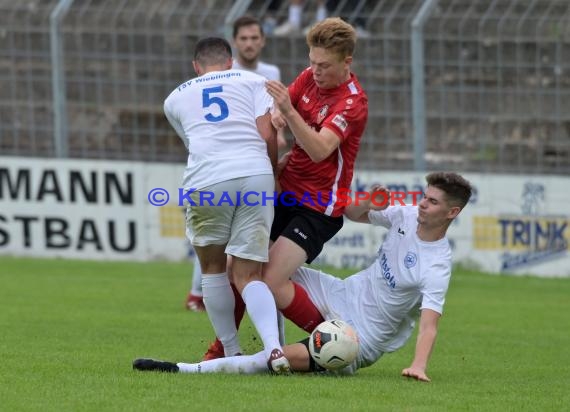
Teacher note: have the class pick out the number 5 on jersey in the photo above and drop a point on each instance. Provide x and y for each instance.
(209, 100)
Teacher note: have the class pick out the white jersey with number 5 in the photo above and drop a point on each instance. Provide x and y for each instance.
(215, 116)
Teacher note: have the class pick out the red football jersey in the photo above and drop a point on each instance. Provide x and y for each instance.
(344, 110)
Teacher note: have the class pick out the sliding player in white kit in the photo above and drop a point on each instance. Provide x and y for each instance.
(410, 275)
(223, 117)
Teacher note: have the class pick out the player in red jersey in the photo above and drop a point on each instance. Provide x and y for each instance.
(326, 110)
(337, 117)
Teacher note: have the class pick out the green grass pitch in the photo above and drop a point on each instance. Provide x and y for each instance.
(70, 329)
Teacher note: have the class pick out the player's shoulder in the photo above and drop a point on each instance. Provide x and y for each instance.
(188, 85)
(438, 256)
(182, 86)
(394, 215)
(269, 71)
(306, 75)
(355, 90)
(401, 214)
(409, 212)
(265, 64)
(177, 93)
(247, 76)
(243, 73)
(436, 264)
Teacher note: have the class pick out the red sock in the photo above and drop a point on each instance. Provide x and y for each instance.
(302, 312)
(239, 309)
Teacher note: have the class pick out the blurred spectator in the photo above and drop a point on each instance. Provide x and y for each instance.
(248, 42)
(295, 17)
(324, 8)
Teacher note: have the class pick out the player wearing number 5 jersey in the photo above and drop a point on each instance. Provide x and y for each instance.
(223, 117)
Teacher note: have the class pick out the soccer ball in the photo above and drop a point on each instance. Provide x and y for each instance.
(333, 344)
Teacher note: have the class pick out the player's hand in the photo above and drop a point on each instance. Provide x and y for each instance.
(280, 94)
(416, 373)
(379, 197)
(277, 120)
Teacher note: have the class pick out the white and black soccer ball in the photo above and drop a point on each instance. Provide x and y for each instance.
(333, 344)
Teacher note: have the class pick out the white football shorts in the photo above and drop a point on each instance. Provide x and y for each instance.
(331, 297)
(223, 214)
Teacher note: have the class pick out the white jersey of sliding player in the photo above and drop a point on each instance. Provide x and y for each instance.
(382, 301)
(215, 116)
(408, 274)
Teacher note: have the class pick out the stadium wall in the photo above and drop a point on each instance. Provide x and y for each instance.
(102, 210)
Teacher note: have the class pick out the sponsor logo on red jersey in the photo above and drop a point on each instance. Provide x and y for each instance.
(322, 113)
(340, 122)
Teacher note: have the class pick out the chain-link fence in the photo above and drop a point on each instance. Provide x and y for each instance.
(497, 77)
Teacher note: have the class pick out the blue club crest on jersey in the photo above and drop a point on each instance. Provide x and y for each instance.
(410, 260)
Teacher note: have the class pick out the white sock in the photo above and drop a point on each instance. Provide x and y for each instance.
(295, 15)
(219, 301)
(321, 13)
(234, 364)
(197, 279)
(262, 311)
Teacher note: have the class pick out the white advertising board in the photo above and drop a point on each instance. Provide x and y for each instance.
(70, 208)
(102, 210)
(513, 224)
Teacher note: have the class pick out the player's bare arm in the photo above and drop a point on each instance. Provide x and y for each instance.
(279, 123)
(282, 163)
(424, 345)
(281, 141)
(318, 145)
(277, 119)
(269, 134)
(358, 212)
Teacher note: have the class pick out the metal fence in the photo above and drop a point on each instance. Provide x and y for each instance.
(496, 78)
